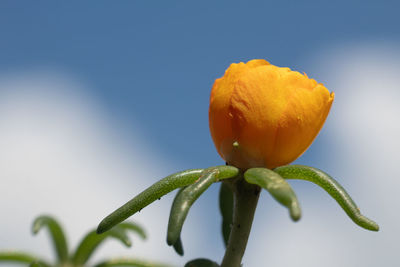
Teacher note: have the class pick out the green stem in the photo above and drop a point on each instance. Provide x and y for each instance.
(246, 198)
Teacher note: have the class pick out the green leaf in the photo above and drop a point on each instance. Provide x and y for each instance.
(178, 247)
(225, 172)
(134, 227)
(157, 190)
(92, 240)
(184, 200)
(20, 257)
(16, 256)
(148, 196)
(226, 208)
(331, 186)
(277, 187)
(201, 263)
(126, 262)
(56, 233)
(38, 264)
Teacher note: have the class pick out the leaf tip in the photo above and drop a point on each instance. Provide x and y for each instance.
(295, 212)
(35, 229)
(178, 247)
(37, 225)
(372, 226)
(366, 223)
(295, 216)
(375, 228)
(179, 251)
(101, 228)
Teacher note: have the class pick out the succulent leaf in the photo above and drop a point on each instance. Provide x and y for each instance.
(183, 202)
(330, 185)
(92, 241)
(56, 233)
(280, 190)
(226, 208)
(148, 196)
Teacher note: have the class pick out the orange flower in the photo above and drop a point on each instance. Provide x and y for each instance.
(265, 116)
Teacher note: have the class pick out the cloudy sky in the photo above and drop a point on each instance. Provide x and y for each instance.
(99, 101)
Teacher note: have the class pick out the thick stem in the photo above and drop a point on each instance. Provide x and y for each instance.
(246, 198)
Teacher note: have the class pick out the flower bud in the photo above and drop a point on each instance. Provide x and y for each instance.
(261, 115)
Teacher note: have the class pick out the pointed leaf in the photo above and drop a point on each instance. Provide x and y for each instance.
(134, 227)
(178, 247)
(20, 257)
(126, 262)
(148, 196)
(92, 240)
(56, 234)
(226, 209)
(277, 187)
(201, 263)
(184, 200)
(331, 186)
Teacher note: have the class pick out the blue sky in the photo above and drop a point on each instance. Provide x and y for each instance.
(120, 90)
(153, 62)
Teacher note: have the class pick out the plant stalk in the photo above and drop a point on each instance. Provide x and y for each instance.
(245, 203)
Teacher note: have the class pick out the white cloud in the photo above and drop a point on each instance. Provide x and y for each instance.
(363, 130)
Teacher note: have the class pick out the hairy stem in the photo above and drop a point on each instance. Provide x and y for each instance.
(246, 198)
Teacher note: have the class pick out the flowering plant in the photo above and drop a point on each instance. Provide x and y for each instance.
(261, 117)
(85, 249)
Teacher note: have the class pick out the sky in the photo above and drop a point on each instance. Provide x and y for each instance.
(100, 100)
